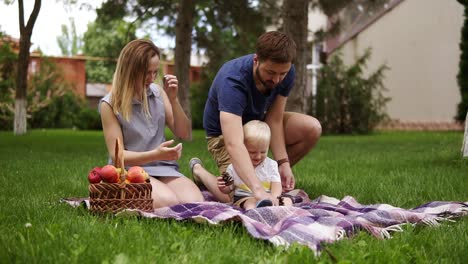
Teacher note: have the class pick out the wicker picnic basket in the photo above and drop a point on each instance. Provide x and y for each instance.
(115, 197)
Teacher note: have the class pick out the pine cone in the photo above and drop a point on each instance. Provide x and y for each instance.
(280, 200)
(227, 178)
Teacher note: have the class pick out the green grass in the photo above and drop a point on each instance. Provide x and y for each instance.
(402, 169)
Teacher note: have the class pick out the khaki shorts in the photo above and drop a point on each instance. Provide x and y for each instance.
(219, 152)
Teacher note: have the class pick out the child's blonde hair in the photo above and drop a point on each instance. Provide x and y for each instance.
(257, 131)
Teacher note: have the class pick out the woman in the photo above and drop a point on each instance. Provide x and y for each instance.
(136, 111)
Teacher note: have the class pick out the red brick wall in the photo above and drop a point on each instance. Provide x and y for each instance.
(74, 73)
(73, 69)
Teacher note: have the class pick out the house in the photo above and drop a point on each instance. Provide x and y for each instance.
(419, 41)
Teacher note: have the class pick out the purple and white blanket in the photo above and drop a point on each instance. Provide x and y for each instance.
(309, 222)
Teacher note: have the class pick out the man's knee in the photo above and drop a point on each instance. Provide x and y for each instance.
(314, 128)
(308, 127)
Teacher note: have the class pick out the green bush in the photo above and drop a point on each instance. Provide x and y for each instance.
(52, 102)
(100, 71)
(45, 93)
(67, 111)
(62, 112)
(347, 102)
(7, 84)
(89, 119)
(198, 96)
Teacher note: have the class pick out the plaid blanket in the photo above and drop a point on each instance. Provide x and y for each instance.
(308, 222)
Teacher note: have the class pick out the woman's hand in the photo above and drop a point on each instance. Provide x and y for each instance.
(171, 86)
(164, 152)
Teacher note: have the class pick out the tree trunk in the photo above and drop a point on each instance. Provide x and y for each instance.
(295, 24)
(184, 25)
(465, 138)
(462, 77)
(20, 124)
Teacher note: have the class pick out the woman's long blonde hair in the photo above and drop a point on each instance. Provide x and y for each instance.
(130, 73)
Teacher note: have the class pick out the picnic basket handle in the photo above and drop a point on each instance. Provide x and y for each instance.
(119, 159)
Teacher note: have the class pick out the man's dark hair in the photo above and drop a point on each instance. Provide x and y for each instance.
(276, 46)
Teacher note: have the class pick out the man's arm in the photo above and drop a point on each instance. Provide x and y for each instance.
(274, 119)
(233, 133)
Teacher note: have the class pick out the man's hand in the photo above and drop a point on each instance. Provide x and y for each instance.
(287, 177)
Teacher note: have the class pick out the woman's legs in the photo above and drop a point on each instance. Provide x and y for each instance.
(169, 191)
(184, 189)
(161, 194)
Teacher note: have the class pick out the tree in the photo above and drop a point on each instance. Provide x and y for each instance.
(46, 89)
(183, 48)
(223, 29)
(462, 76)
(69, 42)
(295, 18)
(23, 62)
(104, 40)
(295, 21)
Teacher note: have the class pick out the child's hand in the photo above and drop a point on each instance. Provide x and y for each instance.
(222, 185)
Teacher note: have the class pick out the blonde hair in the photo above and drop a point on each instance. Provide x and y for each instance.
(257, 131)
(132, 66)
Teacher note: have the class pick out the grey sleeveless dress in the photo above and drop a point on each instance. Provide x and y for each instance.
(143, 133)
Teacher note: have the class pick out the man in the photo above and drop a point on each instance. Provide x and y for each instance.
(256, 87)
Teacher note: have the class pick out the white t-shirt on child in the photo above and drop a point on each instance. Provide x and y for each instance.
(267, 172)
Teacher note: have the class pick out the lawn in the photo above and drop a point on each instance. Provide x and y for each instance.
(402, 169)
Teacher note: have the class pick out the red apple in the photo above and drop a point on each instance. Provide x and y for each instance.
(110, 174)
(137, 174)
(94, 175)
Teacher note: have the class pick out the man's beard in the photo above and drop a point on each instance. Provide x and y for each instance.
(268, 85)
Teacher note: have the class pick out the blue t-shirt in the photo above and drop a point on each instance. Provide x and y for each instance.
(234, 91)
